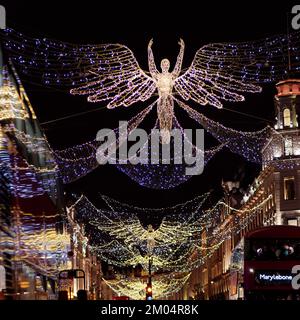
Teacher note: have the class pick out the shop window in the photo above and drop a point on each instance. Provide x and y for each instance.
(288, 146)
(289, 188)
(2, 279)
(292, 222)
(286, 117)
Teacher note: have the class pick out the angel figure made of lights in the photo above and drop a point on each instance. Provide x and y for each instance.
(165, 81)
(110, 72)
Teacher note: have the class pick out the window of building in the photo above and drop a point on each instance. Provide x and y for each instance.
(289, 188)
(288, 146)
(2, 279)
(292, 222)
(286, 117)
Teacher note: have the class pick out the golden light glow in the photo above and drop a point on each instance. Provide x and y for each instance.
(162, 286)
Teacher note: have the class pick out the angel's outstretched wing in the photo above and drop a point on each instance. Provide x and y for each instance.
(221, 71)
(105, 72)
(109, 222)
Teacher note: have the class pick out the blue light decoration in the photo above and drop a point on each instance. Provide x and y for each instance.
(167, 174)
(79, 160)
(247, 144)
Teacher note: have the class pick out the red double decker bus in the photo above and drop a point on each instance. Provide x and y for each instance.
(270, 255)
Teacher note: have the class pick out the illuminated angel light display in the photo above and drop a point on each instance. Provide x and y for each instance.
(119, 237)
(110, 72)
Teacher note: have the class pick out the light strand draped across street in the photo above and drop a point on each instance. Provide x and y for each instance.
(175, 244)
(79, 160)
(110, 72)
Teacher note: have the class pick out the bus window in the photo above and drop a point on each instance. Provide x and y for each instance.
(266, 249)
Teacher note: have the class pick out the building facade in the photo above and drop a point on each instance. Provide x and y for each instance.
(277, 186)
(33, 244)
(82, 259)
(39, 237)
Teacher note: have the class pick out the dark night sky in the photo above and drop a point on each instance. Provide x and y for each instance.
(197, 24)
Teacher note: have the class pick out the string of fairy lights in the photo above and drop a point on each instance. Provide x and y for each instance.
(176, 245)
(81, 159)
(119, 237)
(77, 161)
(111, 72)
(247, 144)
